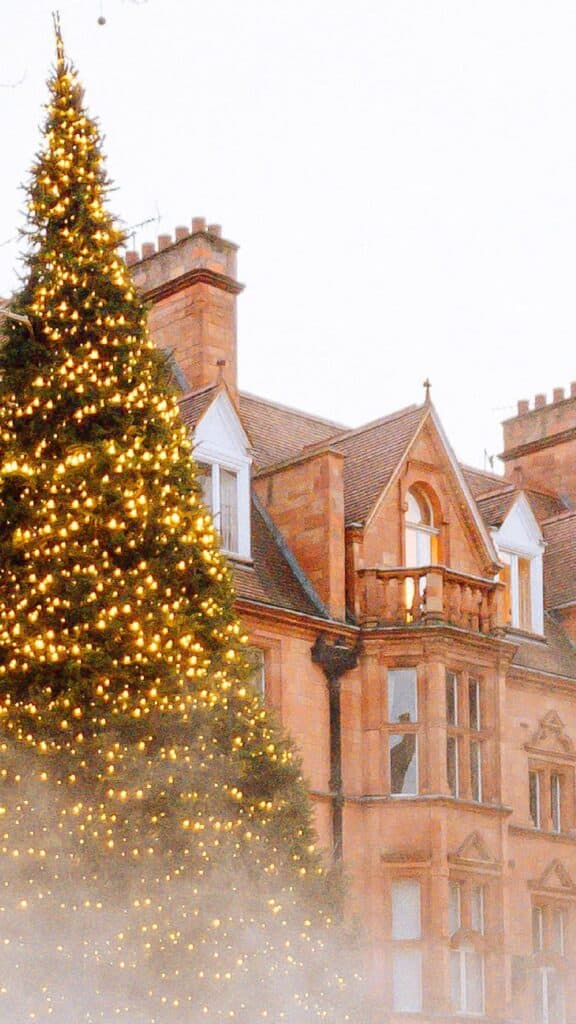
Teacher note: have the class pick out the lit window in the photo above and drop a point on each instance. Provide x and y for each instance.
(517, 577)
(421, 533)
(219, 487)
(403, 741)
(406, 953)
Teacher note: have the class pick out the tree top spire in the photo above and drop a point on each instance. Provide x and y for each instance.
(60, 55)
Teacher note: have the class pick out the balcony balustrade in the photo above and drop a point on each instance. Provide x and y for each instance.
(429, 595)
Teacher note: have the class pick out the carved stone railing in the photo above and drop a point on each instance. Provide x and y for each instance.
(430, 595)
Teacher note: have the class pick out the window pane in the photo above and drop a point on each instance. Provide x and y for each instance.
(537, 929)
(404, 763)
(534, 782)
(474, 703)
(406, 910)
(475, 771)
(556, 1002)
(452, 698)
(456, 980)
(402, 702)
(558, 930)
(454, 911)
(407, 980)
(229, 510)
(477, 908)
(474, 981)
(524, 599)
(452, 764)
(204, 477)
(555, 802)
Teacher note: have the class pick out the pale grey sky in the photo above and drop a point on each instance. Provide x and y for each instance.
(400, 176)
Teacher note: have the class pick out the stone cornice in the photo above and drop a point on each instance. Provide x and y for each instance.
(200, 275)
(534, 446)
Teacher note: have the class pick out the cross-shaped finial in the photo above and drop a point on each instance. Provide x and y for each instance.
(427, 386)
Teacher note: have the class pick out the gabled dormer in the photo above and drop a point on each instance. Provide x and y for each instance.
(520, 548)
(222, 452)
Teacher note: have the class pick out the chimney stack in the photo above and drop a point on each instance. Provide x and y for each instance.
(190, 282)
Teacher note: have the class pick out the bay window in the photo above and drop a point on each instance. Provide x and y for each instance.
(403, 731)
(464, 740)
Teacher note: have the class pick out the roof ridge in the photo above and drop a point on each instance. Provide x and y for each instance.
(372, 424)
(496, 492)
(481, 472)
(198, 391)
(290, 408)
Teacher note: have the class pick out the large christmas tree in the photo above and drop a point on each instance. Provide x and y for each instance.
(156, 852)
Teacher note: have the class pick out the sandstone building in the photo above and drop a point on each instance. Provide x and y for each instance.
(413, 622)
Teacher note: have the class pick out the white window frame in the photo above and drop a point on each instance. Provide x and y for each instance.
(547, 979)
(462, 952)
(536, 774)
(520, 536)
(220, 442)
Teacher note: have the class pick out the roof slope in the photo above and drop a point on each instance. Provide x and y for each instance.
(271, 579)
(194, 405)
(480, 481)
(372, 453)
(560, 560)
(557, 655)
(278, 432)
(495, 506)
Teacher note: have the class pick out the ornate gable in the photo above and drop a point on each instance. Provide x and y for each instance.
(473, 853)
(555, 880)
(551, 738)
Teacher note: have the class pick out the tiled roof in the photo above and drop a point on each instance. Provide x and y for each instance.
(278, 432)
(495, 506)
(560, 560)
(372, 453)
(271, 579)
(557, 655)
(480, 481)
(193, 406)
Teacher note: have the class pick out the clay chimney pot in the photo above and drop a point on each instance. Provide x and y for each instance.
(181, 233)
(539, 401)
(573, 389)
(215, 229)
(132, 257)
(198, 224)
(523, 407)
(148, 249)
(558, 395)
(164, 241)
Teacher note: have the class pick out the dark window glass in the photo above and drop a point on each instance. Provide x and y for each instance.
(404, 763)
(534, 782)
(452, 764)
(474, 704)
(452, 698)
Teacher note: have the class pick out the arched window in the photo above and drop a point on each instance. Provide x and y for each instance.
(421, 530)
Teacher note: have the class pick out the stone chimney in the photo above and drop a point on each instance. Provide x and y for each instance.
(190, 283)
(540, 443)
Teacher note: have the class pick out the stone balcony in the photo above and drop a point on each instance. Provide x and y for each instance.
(428, 596)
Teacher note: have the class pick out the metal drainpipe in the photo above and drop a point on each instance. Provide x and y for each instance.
(335, 659)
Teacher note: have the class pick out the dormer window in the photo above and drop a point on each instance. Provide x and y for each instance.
(222, 454)
(421, 530)
(520, 546)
